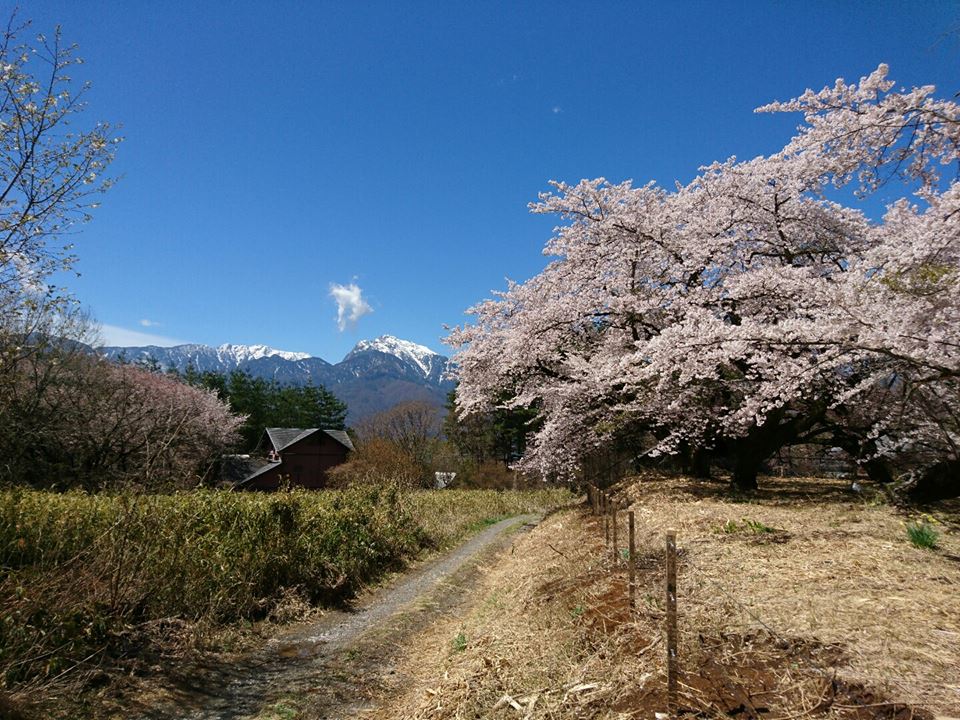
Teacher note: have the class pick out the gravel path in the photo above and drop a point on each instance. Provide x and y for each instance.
(336, 661)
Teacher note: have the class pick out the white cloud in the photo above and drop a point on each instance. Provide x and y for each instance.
(149, 323)
(114, 336)
(556, 109)
(350, 304)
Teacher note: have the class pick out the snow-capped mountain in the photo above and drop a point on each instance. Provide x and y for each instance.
(420, 355)
(374, 375)
(243, 353)
(418, 361)
(202, 357)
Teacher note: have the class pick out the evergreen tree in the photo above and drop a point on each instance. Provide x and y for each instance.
(267, 403)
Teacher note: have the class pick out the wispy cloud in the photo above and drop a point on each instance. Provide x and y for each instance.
(350, 304)
(556, 109)
(149, 323)
(122, 337)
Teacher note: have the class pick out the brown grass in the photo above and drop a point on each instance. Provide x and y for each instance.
(834, 614)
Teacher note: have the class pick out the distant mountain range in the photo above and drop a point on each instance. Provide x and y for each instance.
(374, 376)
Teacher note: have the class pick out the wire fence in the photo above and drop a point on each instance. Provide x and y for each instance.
(752, 661)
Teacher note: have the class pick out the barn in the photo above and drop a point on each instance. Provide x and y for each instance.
(298, 457)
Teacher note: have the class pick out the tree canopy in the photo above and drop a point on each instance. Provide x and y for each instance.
(750, 308)
(52, 171)
(265, 403)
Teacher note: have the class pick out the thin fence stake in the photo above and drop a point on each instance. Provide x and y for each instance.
(616, 544)
(672, 623)
(633, 567)
(606, 519)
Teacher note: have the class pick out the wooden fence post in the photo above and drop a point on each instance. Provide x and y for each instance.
(631, 560)
(616, 544)
(672, 623)
(606, 519)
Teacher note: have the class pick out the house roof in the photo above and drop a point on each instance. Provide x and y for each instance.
(341, 437)
(282, 438)
(257, 473)
(236, 468)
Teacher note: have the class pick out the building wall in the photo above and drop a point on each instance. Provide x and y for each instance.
(306, 463)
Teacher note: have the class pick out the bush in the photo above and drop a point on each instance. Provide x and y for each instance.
(494, 475)
(80, 569)
(378, 462)
(447, 516)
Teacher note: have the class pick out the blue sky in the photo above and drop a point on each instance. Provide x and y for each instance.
(274, 149)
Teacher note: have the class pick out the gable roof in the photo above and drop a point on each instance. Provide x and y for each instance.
(257, 473)
(282, 438)
(341, 437)
(238, 468)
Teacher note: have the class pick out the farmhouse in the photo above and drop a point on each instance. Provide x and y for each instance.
(298, 457)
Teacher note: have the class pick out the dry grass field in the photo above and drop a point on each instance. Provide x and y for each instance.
(803, 600)
(98, 589)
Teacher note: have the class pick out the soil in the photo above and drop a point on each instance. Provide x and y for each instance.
(336, 666)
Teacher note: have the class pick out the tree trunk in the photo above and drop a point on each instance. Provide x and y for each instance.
(693, 461)
(700, 464)
(878, 471)
(940, 482)
(745, 470)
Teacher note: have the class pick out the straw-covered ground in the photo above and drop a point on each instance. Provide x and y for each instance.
(804, 600)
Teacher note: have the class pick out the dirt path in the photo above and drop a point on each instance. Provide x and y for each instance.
(334, 667)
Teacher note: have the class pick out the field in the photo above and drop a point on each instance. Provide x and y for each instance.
(803, 600)
(95, 582)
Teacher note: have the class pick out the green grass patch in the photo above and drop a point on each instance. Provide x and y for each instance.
(448, 516)
(922, 534)
(746, 525)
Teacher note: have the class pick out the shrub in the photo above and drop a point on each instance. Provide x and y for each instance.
(746, 525)
(80, 568)
(378, 462)
(492, 474)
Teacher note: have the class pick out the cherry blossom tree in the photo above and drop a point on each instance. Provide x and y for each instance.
(748, 309)
(78, 420)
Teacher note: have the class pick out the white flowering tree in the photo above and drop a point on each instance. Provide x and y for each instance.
(51, 169)
(52, 172)
(747, 310)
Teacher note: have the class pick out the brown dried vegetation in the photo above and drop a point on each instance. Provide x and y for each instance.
(831, 614)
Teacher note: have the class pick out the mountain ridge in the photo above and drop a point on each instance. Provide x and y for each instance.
(374, 376)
